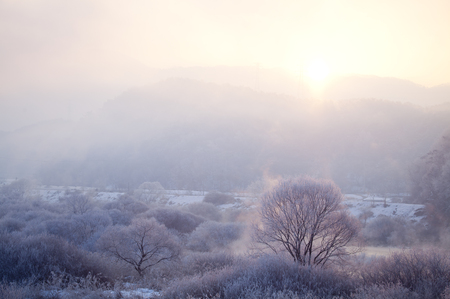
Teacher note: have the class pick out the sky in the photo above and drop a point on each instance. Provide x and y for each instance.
(50, 41)
(55, 45)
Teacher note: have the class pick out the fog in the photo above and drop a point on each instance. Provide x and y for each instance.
(189, 134)
(174, 123)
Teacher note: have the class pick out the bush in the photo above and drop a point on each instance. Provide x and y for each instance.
(384, 292)
(119, 217)
(211, 235)
(196, 263)
(36, 257)
(12, 291)
(82, 230)
(217, 198)
(267, 277)
(127, 203)
(389, 231)
(183, 222)
(206, 210)
(425, 272)
(11, 225)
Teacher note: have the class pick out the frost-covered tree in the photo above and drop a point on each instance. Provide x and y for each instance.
(77, 202)
(304, 217)
(149, 192)
(143, 244)
(430, 182)
(18, 190)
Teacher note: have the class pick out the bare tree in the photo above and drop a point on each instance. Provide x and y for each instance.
(143, 244)
(77, 201)
(304, 217)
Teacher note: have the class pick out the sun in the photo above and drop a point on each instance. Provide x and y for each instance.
(317, 70)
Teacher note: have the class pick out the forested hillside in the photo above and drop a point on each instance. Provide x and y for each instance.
(202, 136)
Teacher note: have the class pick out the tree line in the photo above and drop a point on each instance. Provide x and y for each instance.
(192, 135)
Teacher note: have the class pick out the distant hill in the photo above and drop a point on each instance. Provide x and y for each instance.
(29, 106)
(392, 89)
(189, 134)
(345, 87)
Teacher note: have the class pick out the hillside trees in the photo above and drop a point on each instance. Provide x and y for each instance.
(231, 137)
(430, 182)
(304, 217)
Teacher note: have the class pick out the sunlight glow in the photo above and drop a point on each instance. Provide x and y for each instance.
(317, 70)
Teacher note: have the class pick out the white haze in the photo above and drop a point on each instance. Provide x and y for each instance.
(61, 60)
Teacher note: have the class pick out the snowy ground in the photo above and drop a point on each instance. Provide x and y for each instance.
(358, 206)
(357, 203)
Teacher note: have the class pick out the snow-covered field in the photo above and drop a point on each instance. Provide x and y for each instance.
(413, 212)
(358, 204)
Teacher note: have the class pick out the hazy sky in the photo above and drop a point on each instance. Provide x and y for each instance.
(54, 43)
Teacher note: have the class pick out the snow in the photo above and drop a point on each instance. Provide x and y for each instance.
(357, 203)
(408, 211)
(107, 196)
(184, 199)
(140, 293)
(51, 195)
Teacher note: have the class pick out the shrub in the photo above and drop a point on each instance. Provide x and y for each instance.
(11, 225)
(198, 263)
(389, 231)
(82, 230)
(211, 235)
(127, 203)
(36, 257)
(205, 209)
(217, 198)
(384, 292)
(12, 291)
(183, 222)
(425, 272)
(119, 217)
(195, 263)
(267, 277)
